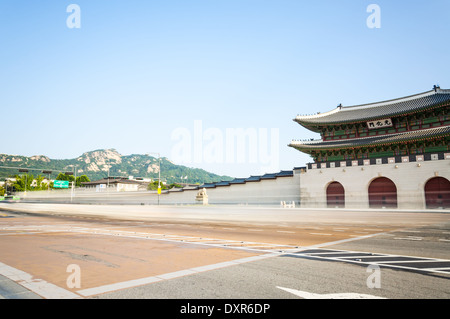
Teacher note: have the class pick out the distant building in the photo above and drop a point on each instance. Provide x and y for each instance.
(392, 154)
(119, 184)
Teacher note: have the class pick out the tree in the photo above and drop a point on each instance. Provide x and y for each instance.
(64, 177)
(71, 178)
(175, 185)
(81, 179)
(32, 183)
(23, 182)
(39, 184)
(154, 186)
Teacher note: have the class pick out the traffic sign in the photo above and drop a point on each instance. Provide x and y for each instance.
(61, 184)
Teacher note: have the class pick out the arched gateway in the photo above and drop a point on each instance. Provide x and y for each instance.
(437, 193)
(382, 193)
(335, 195)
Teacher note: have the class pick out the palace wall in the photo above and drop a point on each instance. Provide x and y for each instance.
(307, 188)
(263, 192)
(408, 177)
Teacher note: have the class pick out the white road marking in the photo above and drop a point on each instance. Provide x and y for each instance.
(320, 234)
(21, 233)
(38, 286)
(343, 240)
(214, 242)
(143, 281)
(310, 295)
(410, 261)
(408, 238)
(48, 290)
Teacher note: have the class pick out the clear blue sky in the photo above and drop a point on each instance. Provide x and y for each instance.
(137, 70)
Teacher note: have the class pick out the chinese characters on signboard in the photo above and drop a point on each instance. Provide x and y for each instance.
(379, 124)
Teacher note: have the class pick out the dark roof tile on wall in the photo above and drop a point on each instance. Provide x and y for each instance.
(285, 173)
(257, 178)
(238, 181)
(253, 179)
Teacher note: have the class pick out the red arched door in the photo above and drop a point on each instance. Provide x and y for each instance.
(335, 195)
(382, 193)
(437, 193)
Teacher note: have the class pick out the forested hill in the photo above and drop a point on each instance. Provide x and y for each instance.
(95, 165)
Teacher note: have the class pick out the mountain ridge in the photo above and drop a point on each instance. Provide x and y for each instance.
(95, 165)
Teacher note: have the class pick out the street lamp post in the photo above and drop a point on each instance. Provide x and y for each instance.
(24, 170)
(73, 183)
(107, 181)
(47, 172)
(159, 174)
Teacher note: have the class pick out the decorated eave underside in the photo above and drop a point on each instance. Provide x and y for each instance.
(374, 111)
(437, 133)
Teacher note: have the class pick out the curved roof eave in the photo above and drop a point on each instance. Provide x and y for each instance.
(418, 135)
(366, 112)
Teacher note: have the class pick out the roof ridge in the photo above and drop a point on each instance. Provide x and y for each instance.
(400, 99)
(340, 107)
(376, 110)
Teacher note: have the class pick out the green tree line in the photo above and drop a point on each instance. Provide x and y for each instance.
(154, 186)
(71, 178)
(29, 182)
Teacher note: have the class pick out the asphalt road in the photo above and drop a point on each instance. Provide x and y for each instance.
(169, 252)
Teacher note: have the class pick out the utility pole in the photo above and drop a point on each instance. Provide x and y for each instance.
(159, 174)
(73, 184)
(25, 170)
(159, 177)
(107, 182)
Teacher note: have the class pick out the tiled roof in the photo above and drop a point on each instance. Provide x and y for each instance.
(269, 176)
(365, 112)
(285, 173)
(208, 185)
(373, 140)
(238, 181)
(112, 181)
(191, 187)
(223, 183)
(249, 179)
(253, 179)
